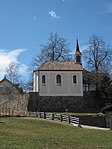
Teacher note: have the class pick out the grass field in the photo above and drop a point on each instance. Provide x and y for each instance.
(32, 133)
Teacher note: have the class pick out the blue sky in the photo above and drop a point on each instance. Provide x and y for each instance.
(25, 24)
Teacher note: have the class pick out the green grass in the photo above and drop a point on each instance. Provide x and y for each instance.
(32, 133)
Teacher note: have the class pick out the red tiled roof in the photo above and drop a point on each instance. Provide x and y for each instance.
(52, 65)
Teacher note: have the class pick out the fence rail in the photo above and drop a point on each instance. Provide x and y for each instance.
(49, 116)
(74, 120)
(59, 117)
(45, 115)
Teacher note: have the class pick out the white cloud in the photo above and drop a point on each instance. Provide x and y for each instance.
(53, 15)
(6, 57)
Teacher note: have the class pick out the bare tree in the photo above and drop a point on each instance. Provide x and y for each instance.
(98, 57)
(12, 73)
(56, 49)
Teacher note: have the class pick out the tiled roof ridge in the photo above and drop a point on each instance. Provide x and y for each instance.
(60, 65)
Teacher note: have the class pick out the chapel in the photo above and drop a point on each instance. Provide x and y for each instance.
(58, 78)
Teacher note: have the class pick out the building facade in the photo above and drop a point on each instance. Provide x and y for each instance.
(60, 78)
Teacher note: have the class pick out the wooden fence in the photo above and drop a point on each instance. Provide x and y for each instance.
(56, 117)
(45, 115)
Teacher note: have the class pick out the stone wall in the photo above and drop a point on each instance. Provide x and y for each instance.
(18, 102)
(98, 121)
(87, 103)
(33, 101)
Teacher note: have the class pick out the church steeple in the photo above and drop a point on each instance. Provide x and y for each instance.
(77, 46)
(78, 54)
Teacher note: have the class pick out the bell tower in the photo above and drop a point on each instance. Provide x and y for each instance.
(78, 54)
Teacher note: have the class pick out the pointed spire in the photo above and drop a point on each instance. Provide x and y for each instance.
(77, 46)
(77, 54)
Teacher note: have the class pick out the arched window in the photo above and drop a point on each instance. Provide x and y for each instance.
(74, 79)
(43, 79)
(58, 80)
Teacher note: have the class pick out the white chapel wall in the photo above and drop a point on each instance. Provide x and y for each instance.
(35, 82)
(67, 88)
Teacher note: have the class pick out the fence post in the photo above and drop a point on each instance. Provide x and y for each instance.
(39, 114)
(69, 119)
(61, 118)
(36, 114)
(79, 123)
(44, 115)
(52, 116)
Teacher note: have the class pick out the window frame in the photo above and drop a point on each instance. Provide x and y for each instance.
(43, 79)
(74, 82)
(58, 80)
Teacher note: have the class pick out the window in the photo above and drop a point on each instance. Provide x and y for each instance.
(74, 79)
(58, 80)
(86, 87)
(43, 79)
(78, 59)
